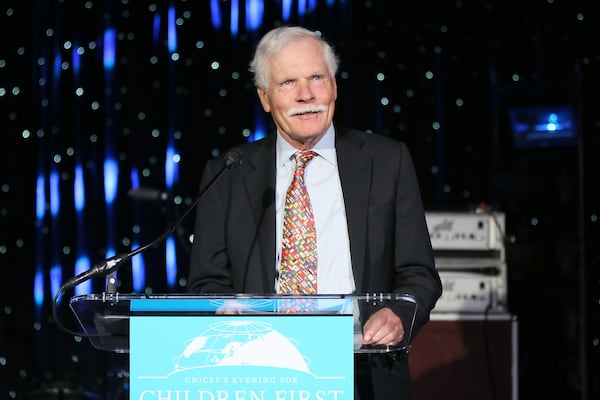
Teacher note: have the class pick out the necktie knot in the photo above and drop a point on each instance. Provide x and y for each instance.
(302, 157)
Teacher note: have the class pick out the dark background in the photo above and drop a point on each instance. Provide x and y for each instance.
(440, 75)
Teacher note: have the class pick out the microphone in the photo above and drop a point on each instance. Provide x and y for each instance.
(231, 159)
(148, 194)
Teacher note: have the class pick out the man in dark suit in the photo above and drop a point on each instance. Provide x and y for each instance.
(366, 204)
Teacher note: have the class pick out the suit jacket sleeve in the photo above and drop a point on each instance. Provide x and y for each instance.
(389, 240)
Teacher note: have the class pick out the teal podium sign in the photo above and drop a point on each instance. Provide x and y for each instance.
(233, 357)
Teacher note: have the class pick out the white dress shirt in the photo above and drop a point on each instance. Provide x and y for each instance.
(334, 267)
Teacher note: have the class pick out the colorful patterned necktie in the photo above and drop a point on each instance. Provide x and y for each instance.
(298, 270)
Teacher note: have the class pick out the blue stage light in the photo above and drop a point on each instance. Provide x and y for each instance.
(109, 48)
(111, 178)
(171, 261)
(234, 18)
(138, 271)
(40, 201)
(79, 189)
(254, 14)
(215, 14)
(81, 265)
(172, 35)
(54, 193)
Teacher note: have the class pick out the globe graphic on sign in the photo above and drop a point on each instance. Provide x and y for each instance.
(240, 343)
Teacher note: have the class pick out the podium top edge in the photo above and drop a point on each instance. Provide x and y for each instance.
(118, 297)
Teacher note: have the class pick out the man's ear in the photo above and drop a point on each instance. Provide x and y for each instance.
(264, 99)
(335, 89)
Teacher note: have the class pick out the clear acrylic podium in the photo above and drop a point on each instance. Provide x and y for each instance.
(105, 317)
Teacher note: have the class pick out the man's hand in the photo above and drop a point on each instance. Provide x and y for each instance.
(383, 328)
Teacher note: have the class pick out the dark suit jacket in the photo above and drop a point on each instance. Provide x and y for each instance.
(234, 236)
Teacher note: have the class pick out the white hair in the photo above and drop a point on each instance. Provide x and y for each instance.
(280, 37)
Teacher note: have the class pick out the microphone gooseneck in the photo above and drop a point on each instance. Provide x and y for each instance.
(231, 159)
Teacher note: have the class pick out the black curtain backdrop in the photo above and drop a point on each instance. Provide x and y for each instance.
(101, 97)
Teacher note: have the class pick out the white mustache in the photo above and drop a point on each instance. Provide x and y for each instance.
(307, 109)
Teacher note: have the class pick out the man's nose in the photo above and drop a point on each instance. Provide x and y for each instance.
(305, 92)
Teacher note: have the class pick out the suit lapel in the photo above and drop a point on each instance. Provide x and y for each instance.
(355, 170)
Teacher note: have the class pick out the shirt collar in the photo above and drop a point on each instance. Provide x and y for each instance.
(325, 148)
